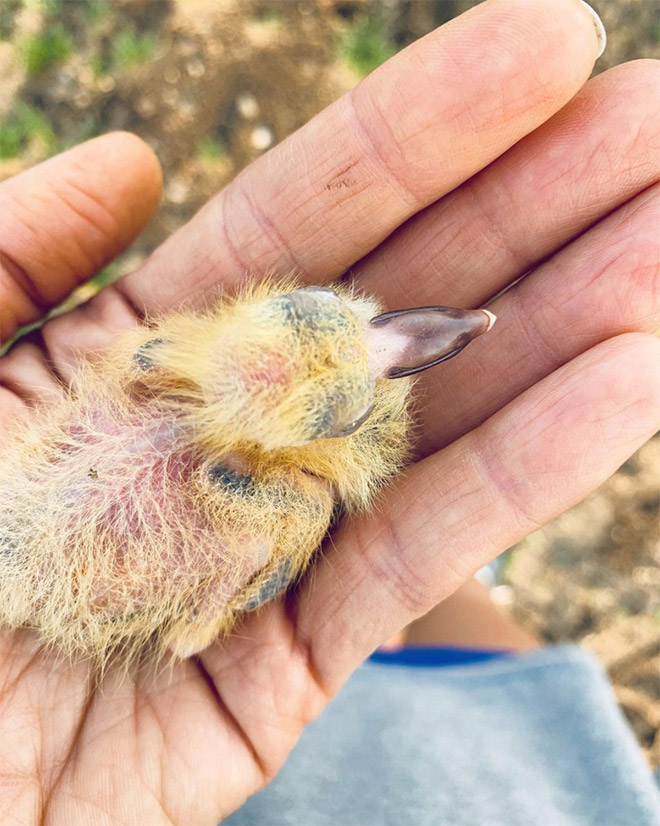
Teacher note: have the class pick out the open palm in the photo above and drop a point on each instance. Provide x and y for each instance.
(477, 155)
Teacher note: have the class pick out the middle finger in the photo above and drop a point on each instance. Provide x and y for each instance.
(413, 130)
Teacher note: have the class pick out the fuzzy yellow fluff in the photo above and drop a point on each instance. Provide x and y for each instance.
(194, 472)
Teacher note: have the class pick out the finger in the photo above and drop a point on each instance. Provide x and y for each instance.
(599, 151)
(90, 328)
(25, 379)
(459, 508)
(65, 218)
(413, 130)
(603, 284)
(25, 373)
(11, 406)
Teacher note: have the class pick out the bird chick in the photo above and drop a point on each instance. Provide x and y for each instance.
(198, 464)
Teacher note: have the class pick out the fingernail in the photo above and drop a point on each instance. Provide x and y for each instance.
(601, 34)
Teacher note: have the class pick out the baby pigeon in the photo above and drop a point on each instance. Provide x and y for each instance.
(192, 471)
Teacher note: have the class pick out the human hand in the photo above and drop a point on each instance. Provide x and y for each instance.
(385, 182)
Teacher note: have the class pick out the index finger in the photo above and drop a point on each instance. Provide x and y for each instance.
(417, 127)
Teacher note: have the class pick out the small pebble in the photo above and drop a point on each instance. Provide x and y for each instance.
(247, 106)
(146, 107)
(261, 138)
(172, 74)
(176, 192)
(106, 84)
(170, 97)
(195, 68)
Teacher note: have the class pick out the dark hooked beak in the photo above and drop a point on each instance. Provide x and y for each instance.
(405, 342)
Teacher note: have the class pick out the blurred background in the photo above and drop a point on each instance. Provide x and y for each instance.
(212, 84)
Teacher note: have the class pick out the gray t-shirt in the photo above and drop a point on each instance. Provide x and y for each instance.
(530, 739)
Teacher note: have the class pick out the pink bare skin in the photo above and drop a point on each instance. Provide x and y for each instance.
(528, 421)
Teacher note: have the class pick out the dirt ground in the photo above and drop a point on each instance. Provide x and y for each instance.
(211, 84)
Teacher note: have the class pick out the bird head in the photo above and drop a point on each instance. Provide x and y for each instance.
(285, 367)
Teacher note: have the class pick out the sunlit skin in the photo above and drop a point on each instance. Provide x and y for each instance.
(530, 418)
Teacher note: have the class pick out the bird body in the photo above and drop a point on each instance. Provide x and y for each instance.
(193, 467)
(192, 470)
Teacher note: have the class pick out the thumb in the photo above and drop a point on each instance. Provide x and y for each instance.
(65, 218)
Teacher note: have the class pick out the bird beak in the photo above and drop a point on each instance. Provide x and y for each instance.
(404, 342)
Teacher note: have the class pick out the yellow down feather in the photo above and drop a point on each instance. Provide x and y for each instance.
(191, 467)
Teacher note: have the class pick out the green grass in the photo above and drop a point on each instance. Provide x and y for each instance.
(211, 149)
(40, 51)
(130, 49)
(654, 34)
(96, 11)
(366, 44)
(272, 18)
(106, 276)
(24, 125)
(127, 50)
